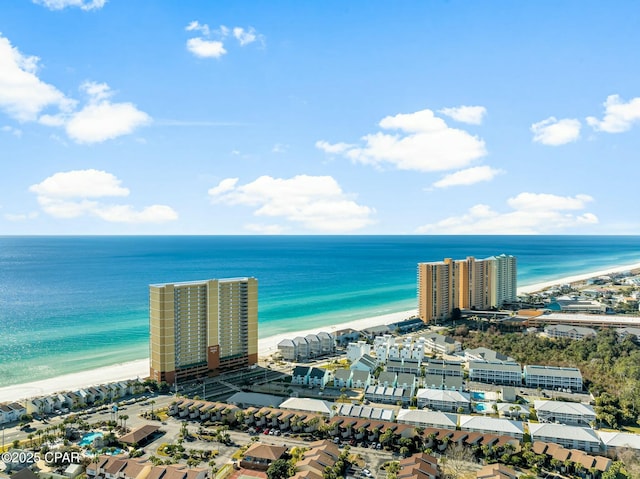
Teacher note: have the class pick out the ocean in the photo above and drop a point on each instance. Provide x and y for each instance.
(70, 304)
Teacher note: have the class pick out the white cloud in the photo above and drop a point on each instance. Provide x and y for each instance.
(335, 148)
(60, 4)
(556, 132)
(101, 119)
(23, 95)
(245, 37)
(210, 43)
(315, 202)
(533, 213)
(206, 48)
(21, 216)
(198, 27)
(126, 214)
(265, 229)
(80, 183)
(425, 143)
(466, 114)
(618, 116)
(224, 186)
(13, 131)
(72, 194)
(468, 176)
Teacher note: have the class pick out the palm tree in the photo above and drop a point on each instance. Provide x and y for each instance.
(124, 418)
(152, 402)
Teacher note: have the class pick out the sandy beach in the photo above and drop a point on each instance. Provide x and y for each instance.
(266, 346)
(533, 288)
(140, 368)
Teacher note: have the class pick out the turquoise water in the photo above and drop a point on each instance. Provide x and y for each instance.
(71, 304)
(477, 396)
(88, 438)
(480, 407)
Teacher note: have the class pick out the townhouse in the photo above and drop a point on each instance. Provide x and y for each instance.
(423, 418)
(572, 437)
(553, 377)
(571, 413)
(11, 412)
(495, 372)
(490, 425)
(440, 344)
(442, 400)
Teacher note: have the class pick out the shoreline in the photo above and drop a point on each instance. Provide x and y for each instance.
(538, 287)
(266, 346)
(140, 367)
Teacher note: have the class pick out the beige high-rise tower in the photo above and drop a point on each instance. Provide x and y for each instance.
(466, 284)
(202, 328)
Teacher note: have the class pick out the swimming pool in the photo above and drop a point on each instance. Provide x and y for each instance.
(480, 407)
(477, 395)
(87, 439)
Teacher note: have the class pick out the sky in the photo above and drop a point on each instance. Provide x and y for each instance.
(288, 117)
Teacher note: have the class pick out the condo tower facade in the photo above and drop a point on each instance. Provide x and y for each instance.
(202, 328)
(466, 284)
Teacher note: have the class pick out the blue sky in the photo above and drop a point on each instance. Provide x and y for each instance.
(427, 117)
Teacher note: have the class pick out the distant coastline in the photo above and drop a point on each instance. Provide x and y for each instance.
(266, 346)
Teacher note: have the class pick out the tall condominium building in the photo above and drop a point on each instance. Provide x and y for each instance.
(202, 328)
(466, 284)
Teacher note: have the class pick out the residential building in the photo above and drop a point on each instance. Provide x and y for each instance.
(443, 367)
(387, 378)
(356, 350)
(308, 405)
(404, 366)
(360, 379)
(420, 466)
(200, 328)
(318, 377)
(441, 344)
(620, 440)
(572, 437)
(485, 354)
(288, 350)
(438, 381)
(552, 377)
(327, 342)
(567, 331)
(300, 375)
(315, 347)
(342, 378)
(366, 412)
(465, 284)
(364, 363)
(345, 336)
(260, 456)
(572, 413)
(11, 412)
(303, 350)
(496, 471)
(442, 400)
(112, 467)
(423, 418)
(491, 425)
(495, 372)
(387, 395)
